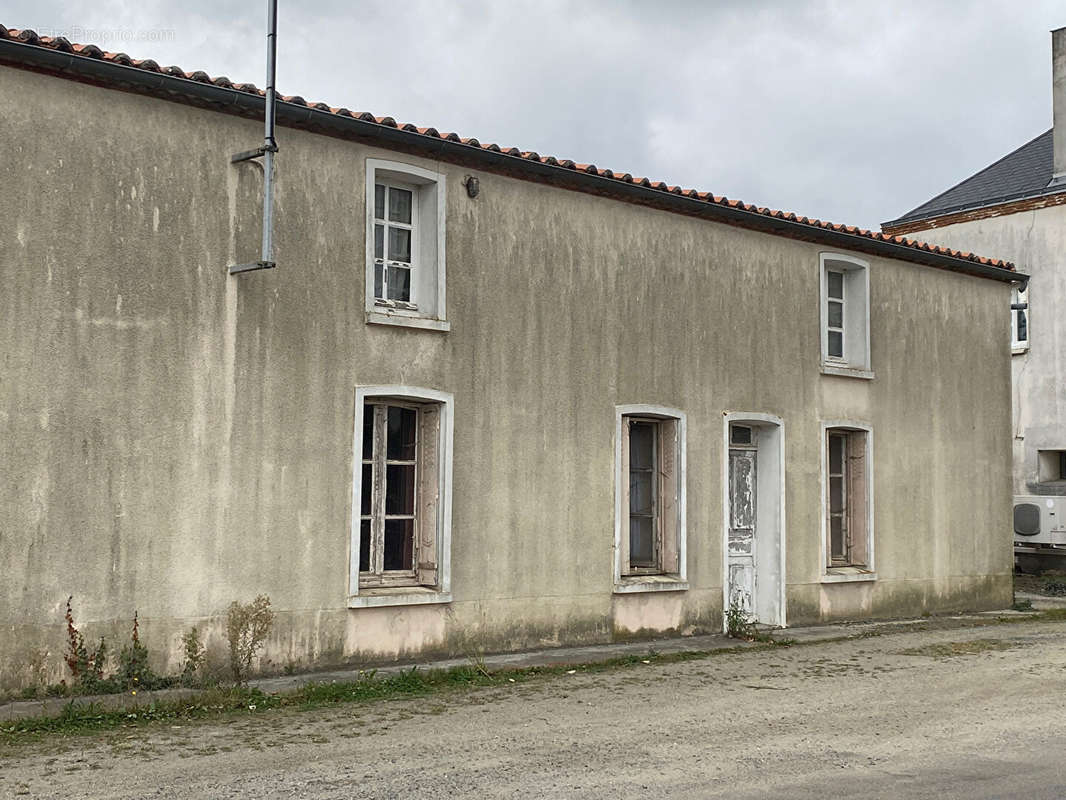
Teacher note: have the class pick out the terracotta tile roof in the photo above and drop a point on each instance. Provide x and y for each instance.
(91, 51)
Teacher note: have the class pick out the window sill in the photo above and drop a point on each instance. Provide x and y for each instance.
(405, 321)
(848, 575)
(398, 596)
(1019, 349)
(847, 372)
(631, 584)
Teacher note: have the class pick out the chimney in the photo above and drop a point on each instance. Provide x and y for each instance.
(1058, 102)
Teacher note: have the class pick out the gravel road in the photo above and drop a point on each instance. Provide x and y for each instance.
(971, 712)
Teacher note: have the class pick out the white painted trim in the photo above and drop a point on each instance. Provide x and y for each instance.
(728, 418)
(635, 583)
(856, 264)
(406, 320)
(420, 177)
(405, 595)
(847, 372)
(832, 574)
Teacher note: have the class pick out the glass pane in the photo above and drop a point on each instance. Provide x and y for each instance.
(401, 434)
(836, 495)
(835, 285)
(399, 544)
(741, 434)
(836, 454)
(364, 546)
(400, 284)
(399, 244)
(368, 432)
(836, 344)
(399, 206)
(379, 201)
(366, 492)
(641, 445)
(836, 537)
(400, 489)
(379, 279)
(379, 241)
(641, 492)
(1023, 327)
(836, 315)
(641, 541)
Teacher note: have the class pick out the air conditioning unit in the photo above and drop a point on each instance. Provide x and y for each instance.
(1039, 521)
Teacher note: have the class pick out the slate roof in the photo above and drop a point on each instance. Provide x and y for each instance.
(740, 213)
(1019, 175)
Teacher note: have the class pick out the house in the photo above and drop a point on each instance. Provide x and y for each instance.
(1016, 208)
(487, 399)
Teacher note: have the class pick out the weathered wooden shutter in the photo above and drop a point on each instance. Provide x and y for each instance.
(669, 491)
(857, 494)
(623, 523)
(428, 494)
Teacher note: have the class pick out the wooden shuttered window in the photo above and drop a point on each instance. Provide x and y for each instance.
(649, 542)
(847, 498)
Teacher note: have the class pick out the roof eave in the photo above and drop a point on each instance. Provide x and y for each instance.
(234, 101)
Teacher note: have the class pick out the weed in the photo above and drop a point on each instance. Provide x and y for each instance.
(195, 653)
(247, 627)
(1022, 605)
(133, 670)
(86, 666)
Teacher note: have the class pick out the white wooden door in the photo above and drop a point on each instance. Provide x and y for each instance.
(742, 551)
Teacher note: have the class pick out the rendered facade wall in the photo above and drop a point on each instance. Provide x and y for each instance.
(175, 438)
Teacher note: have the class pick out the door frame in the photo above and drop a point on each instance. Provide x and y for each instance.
(770, 453)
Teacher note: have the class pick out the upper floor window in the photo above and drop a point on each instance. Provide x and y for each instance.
(1019, 317)
(845, 315)
(405, 274)
(650, 499)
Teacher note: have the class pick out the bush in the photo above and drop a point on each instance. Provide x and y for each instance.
(247, 627)
(195, 653)
(133, 669)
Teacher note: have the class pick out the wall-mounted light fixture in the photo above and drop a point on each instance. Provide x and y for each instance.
(473, 186)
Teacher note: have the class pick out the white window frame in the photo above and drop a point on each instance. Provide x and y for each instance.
(428, 213)
(846, 574)
(649, 581)
(414, 264)
(1019, 295)
(855, 362)
(411, 594)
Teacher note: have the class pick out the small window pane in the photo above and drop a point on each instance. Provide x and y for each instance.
(368, 432)
(836, 537)
(836, 344)
(399, 206)
(379, 201)
(641, 492)
(399, 244)
(836, 495)
(400, 489)
(399, 544)
(1023, 327)
(641, 541)
(641, 445)
(402, 423)
(364, 546)
(379, 279)
(836, 315)
(379, 241)
(836, 454)
(399, 283)
(366, 492)
(835, 284)
(741, 434)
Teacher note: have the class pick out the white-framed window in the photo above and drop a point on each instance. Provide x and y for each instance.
(401, 497)
(1019, 318)
(845, 315)
(847, 498)
(405, 272)
(650, 498)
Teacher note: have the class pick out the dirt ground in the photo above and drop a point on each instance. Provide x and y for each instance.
(973, 712)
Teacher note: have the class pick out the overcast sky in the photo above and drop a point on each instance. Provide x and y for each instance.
(853, 112)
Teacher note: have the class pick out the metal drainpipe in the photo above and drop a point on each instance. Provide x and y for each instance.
(267, 151)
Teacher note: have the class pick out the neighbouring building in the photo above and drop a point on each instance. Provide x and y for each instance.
(487, 399)
(1016, 209)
